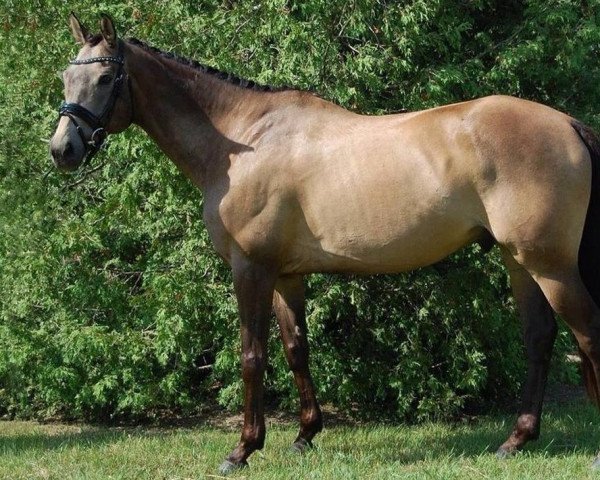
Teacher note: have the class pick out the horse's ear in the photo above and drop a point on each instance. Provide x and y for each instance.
(107, 27)
(80, 33)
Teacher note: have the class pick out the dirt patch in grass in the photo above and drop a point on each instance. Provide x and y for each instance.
(215, 416)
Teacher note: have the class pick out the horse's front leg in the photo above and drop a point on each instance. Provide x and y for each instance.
(288, 304)
(254, 285)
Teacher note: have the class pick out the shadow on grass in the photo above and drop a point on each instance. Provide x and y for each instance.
(87, 437)
(566, 428)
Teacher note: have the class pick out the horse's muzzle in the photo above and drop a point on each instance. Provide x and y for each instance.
(66, 148)
(66, 157)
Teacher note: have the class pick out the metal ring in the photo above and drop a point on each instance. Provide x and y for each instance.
(98, 136)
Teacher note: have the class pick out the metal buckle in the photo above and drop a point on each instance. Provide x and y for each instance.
(97, 138)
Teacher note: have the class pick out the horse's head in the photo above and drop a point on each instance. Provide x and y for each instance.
(97, 96)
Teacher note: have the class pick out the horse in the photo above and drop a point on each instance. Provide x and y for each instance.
(294, 184)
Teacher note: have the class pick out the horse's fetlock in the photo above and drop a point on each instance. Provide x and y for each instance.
(528, 426)
(254, 437)
(312, 421)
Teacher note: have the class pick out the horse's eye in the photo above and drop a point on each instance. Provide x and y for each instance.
(105, 79)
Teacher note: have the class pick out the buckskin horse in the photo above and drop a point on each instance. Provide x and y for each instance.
(294, 184)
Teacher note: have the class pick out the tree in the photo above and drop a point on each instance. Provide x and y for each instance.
(112, 300)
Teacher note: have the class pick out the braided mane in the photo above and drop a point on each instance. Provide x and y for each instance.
(240, 82)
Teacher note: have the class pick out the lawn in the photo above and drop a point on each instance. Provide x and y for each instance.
(463, 450)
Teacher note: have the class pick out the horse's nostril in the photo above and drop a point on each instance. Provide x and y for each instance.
(55, 152)
(62, 153)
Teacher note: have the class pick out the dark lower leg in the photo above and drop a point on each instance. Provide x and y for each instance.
(571, 300)
(254, 292)
(569, 297)
(253, 431)
(311, 421)
(539, 328)
(288, 304)
(590, 377)
(527, 426)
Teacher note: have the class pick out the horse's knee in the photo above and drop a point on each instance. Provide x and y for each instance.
(587, 333)
(253, 364)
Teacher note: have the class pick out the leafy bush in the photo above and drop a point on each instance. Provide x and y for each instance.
(112, 301)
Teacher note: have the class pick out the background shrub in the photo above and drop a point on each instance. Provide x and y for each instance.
(112, 302)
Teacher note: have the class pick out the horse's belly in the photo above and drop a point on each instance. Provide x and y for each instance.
(383, 248)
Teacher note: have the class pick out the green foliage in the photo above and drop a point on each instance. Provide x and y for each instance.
(112, 301)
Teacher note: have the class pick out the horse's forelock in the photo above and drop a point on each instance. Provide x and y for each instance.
(93, 40)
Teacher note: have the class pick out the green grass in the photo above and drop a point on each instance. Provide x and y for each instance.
(569, 441)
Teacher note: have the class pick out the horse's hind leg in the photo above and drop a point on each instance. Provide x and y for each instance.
(568, 296)
(288, 303)
(570, 299)
(539, 332)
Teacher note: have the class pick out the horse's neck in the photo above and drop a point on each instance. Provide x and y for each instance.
(196, 119)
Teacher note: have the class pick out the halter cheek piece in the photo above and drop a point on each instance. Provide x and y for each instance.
(97, 123)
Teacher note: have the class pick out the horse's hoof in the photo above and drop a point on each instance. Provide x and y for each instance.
(228, 467)
(503, 453)
(301, 446)
(596, 463)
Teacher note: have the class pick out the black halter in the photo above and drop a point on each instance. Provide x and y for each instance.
(97, 123)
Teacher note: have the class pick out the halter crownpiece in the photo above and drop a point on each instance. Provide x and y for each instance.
(97, 123)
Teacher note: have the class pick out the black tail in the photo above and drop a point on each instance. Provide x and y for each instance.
(589, 249)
